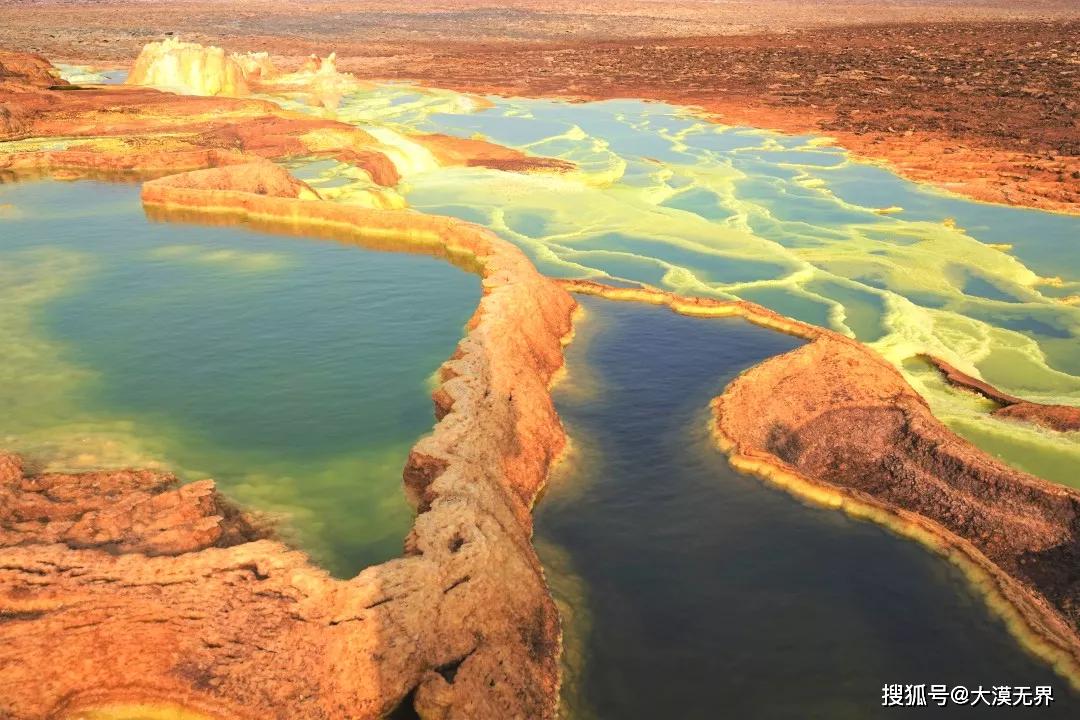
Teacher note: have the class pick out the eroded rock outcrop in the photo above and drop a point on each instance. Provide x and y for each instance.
(1063, 418)
(462, 626)
(126, 511)
(21, 73)
(836, 424)
(26, 69)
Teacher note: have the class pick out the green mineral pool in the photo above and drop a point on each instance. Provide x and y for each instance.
(297, 373)
(664, 197)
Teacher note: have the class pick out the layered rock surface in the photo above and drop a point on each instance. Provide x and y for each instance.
(1063, 418)
(836, 424)
(127, 511)
(164, 597)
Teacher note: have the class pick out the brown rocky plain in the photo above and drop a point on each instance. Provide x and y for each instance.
(979, 97)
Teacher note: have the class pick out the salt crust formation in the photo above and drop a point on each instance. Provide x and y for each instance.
(194, 69)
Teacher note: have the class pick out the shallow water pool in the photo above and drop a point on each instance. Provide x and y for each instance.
(689, 590)
(664, 197)
(295, 372)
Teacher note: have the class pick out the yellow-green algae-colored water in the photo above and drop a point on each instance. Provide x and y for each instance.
(665, 198)
(295, 372)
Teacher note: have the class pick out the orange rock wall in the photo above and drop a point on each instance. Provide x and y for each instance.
(461, 627)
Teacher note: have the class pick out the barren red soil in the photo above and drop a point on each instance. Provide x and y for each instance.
(118, 28)
(979, 97)
(989, 110)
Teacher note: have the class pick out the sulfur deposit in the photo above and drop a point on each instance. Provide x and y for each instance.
(193, 69)
(190, 68)
(318, 78)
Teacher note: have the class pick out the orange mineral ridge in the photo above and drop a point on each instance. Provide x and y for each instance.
(168, 599)
(124, 594)
(171, 597)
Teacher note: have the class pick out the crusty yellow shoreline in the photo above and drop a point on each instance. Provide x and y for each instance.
(1022, 613)
(1028, 618)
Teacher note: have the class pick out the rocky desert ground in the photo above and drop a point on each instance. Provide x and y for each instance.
(977, 97)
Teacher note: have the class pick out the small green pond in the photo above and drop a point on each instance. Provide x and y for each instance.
(295, 372)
